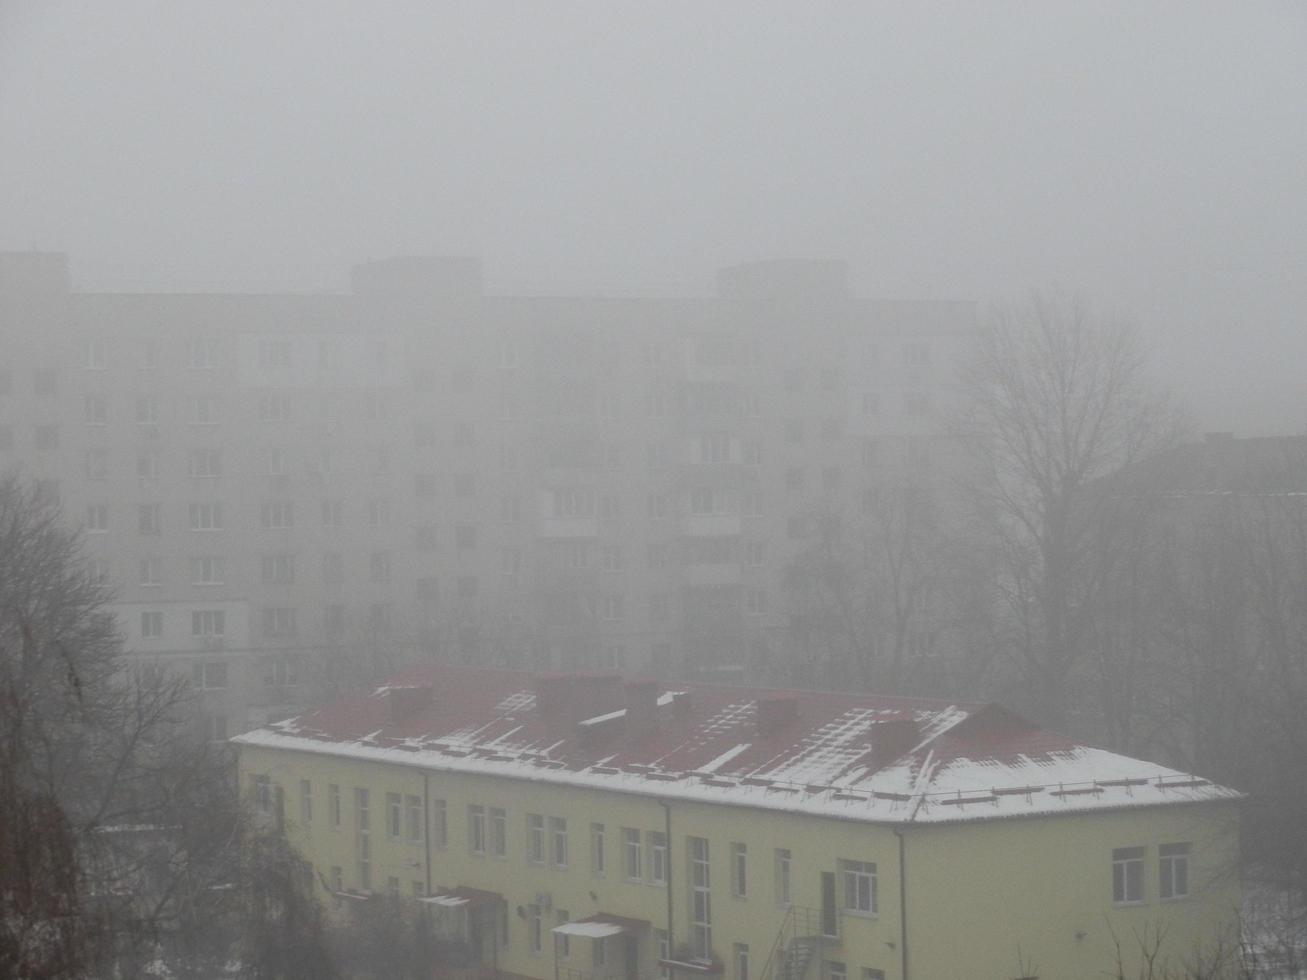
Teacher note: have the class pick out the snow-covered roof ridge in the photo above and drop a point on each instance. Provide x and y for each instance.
(866, 757)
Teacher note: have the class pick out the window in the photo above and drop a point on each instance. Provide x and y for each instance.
(363, 837)
(1173, 871)
(279, 621)
(739, 870)
(755, 553)
(611, 560)
(202, 353)
(715, 447)
(870, 973)
(208, 570)
(394, 816)
(206, 410)
(597, 856)
(600, 952)
(280, 671)
(917, 403)
(859, 886)
(208, 622)
(741, 958)
(564, 944)
(278, 514)
(783, 876)
(660, 607)
(631, 845)
(656, 456)
(97, 409)
(47, 437)
(498, 832)
(337, 878)
(664, 951)
(794, 479)
(151, 625)
(535, 838)
(306, 802)
(278, 569)
(1128, 874)
(916, 355)
(379, 567)
(558, 834)
(147, 410)
(147, 466)
(333, 806)
(836, 971)
(465, 485)
(333, 513)
(755, 602)
(871, 403)
(535, 933)
(657, 858)
(274, 353)
(794, 430)
(700, 898)
(413, 819)
(832, 478)
(751, 503)
(97, 518)
(151, 571)
(262, 793)
(510, 509)
(149, 518)
(376, 406)
(204, 463)
(99, 572)
(274, 406)
(613, 607)
(465, 536)
(97, 464)
(439, 823)
(46, 382)
(211, 676)
(870, 452)
(97, 353)
(206, 516)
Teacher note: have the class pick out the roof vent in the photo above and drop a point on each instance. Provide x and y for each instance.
(641, 707)
(409, 700)
(776, 712)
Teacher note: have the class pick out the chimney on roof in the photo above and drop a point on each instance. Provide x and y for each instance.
(407, 701)
(892, 739)
(776, 712)
(565, 699)
(682, 704)
(642, 707)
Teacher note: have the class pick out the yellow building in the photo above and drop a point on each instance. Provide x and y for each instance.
(578, 826)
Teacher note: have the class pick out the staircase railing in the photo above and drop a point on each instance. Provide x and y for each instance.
(802, 934)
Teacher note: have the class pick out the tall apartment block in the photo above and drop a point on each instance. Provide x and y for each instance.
(291, 492)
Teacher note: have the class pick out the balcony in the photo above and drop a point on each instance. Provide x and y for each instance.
(715, 573)
(555, 528)
(710, 525)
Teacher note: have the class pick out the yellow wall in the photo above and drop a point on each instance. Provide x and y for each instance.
(981, 896)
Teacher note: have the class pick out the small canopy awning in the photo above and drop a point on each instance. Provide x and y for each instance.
(600, 926)
(454, 898)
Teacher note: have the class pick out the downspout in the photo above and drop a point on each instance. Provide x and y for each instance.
(667, 870)
(426, 826)
(903, 904)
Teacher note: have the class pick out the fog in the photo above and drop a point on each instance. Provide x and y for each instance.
(1149, 156)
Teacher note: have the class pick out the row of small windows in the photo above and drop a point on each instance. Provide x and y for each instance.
(705, 350)
(1128, 873)
(210, 625)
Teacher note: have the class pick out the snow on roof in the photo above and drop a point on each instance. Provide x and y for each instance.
(853, 756)
(590, 930)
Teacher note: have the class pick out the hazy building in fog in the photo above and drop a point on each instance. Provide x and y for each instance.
(421, 468)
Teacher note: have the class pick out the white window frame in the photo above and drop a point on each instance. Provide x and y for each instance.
(859, 887)
(1128, 875)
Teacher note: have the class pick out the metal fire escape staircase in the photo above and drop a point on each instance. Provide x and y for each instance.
(803, 936)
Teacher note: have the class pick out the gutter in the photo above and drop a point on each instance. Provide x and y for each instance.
(668, 863)
(903, 904)
(426, 828)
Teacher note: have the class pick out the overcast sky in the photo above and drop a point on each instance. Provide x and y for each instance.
(1151, 156)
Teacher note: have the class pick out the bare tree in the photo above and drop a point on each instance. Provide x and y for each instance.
(119, 829)
(1056, 403)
